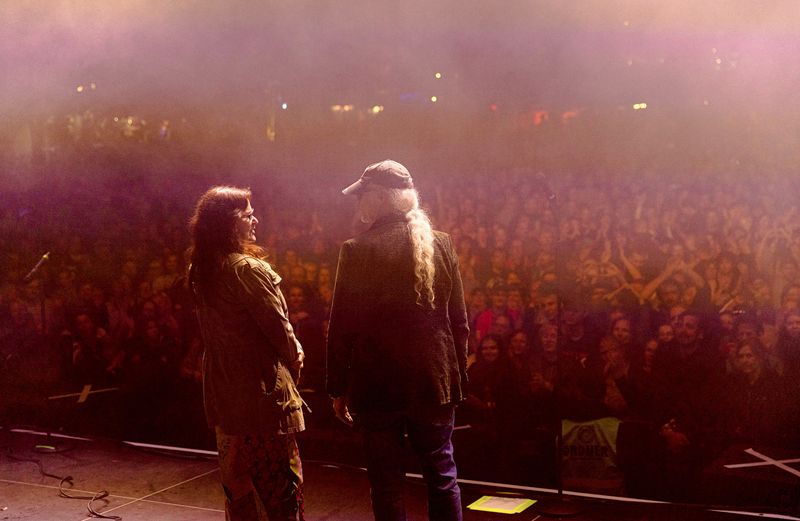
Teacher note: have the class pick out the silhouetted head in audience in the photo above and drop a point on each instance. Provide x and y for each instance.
(518, 346)
(665, 334)
(791, 324)
(750, 359)
(548, 340)
(490, 349)
(689, 329)
(621, 331)
(747, 326)
(669, 294)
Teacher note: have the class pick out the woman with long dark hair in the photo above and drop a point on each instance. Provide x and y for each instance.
(251, 359)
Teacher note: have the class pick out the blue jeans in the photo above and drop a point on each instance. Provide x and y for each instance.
(429, 432)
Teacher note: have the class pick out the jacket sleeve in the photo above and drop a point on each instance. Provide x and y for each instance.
(457, 312)
(340, 329)
(267, 306)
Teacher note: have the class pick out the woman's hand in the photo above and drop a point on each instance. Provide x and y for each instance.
(296, 366)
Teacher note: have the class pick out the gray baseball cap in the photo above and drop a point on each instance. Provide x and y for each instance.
(386, 173)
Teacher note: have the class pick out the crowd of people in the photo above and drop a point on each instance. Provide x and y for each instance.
(667, 301)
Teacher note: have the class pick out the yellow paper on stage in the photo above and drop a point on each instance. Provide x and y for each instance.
(501, 505)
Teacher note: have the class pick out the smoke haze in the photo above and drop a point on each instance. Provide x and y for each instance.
(321, 52)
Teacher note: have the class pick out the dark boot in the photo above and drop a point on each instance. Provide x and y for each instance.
(242, 509)
(289, 509)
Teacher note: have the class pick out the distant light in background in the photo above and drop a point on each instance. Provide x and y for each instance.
(630, 62)
(570, 114)
(493, 107)
(347, 108)
(639, 106)
(271, 131)
(79, 88)
(705, 102)
(285, 106)
(626, 23)
(336, 108)
(434, 99)
(93, 86)
(438, 75)
(376, 109)
(163, 130)
(540, 116)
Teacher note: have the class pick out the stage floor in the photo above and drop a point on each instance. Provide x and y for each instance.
(183, 485)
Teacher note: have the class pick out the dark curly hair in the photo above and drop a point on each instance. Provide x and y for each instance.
(213, 231)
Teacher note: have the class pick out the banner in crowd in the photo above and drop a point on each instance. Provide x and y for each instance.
(589, 456)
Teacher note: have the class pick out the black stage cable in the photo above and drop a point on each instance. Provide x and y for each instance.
(97, 496)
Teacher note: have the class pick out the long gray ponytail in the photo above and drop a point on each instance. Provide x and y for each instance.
(419, 226)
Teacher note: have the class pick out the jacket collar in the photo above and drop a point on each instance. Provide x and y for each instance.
(393, 217)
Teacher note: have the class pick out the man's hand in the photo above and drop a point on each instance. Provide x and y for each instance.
(340, 408)
(297, 365)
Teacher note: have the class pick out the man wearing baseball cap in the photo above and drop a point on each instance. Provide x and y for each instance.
(397, 343)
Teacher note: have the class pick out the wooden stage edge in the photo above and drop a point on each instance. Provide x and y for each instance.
(150, 481)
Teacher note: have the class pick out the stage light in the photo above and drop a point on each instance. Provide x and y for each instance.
(438, 75)
(347, 108)
(434, 99)
(336, 108)
(376, 109)
(79, 88)
(285, 106)
(639, 106)
(93, 86)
